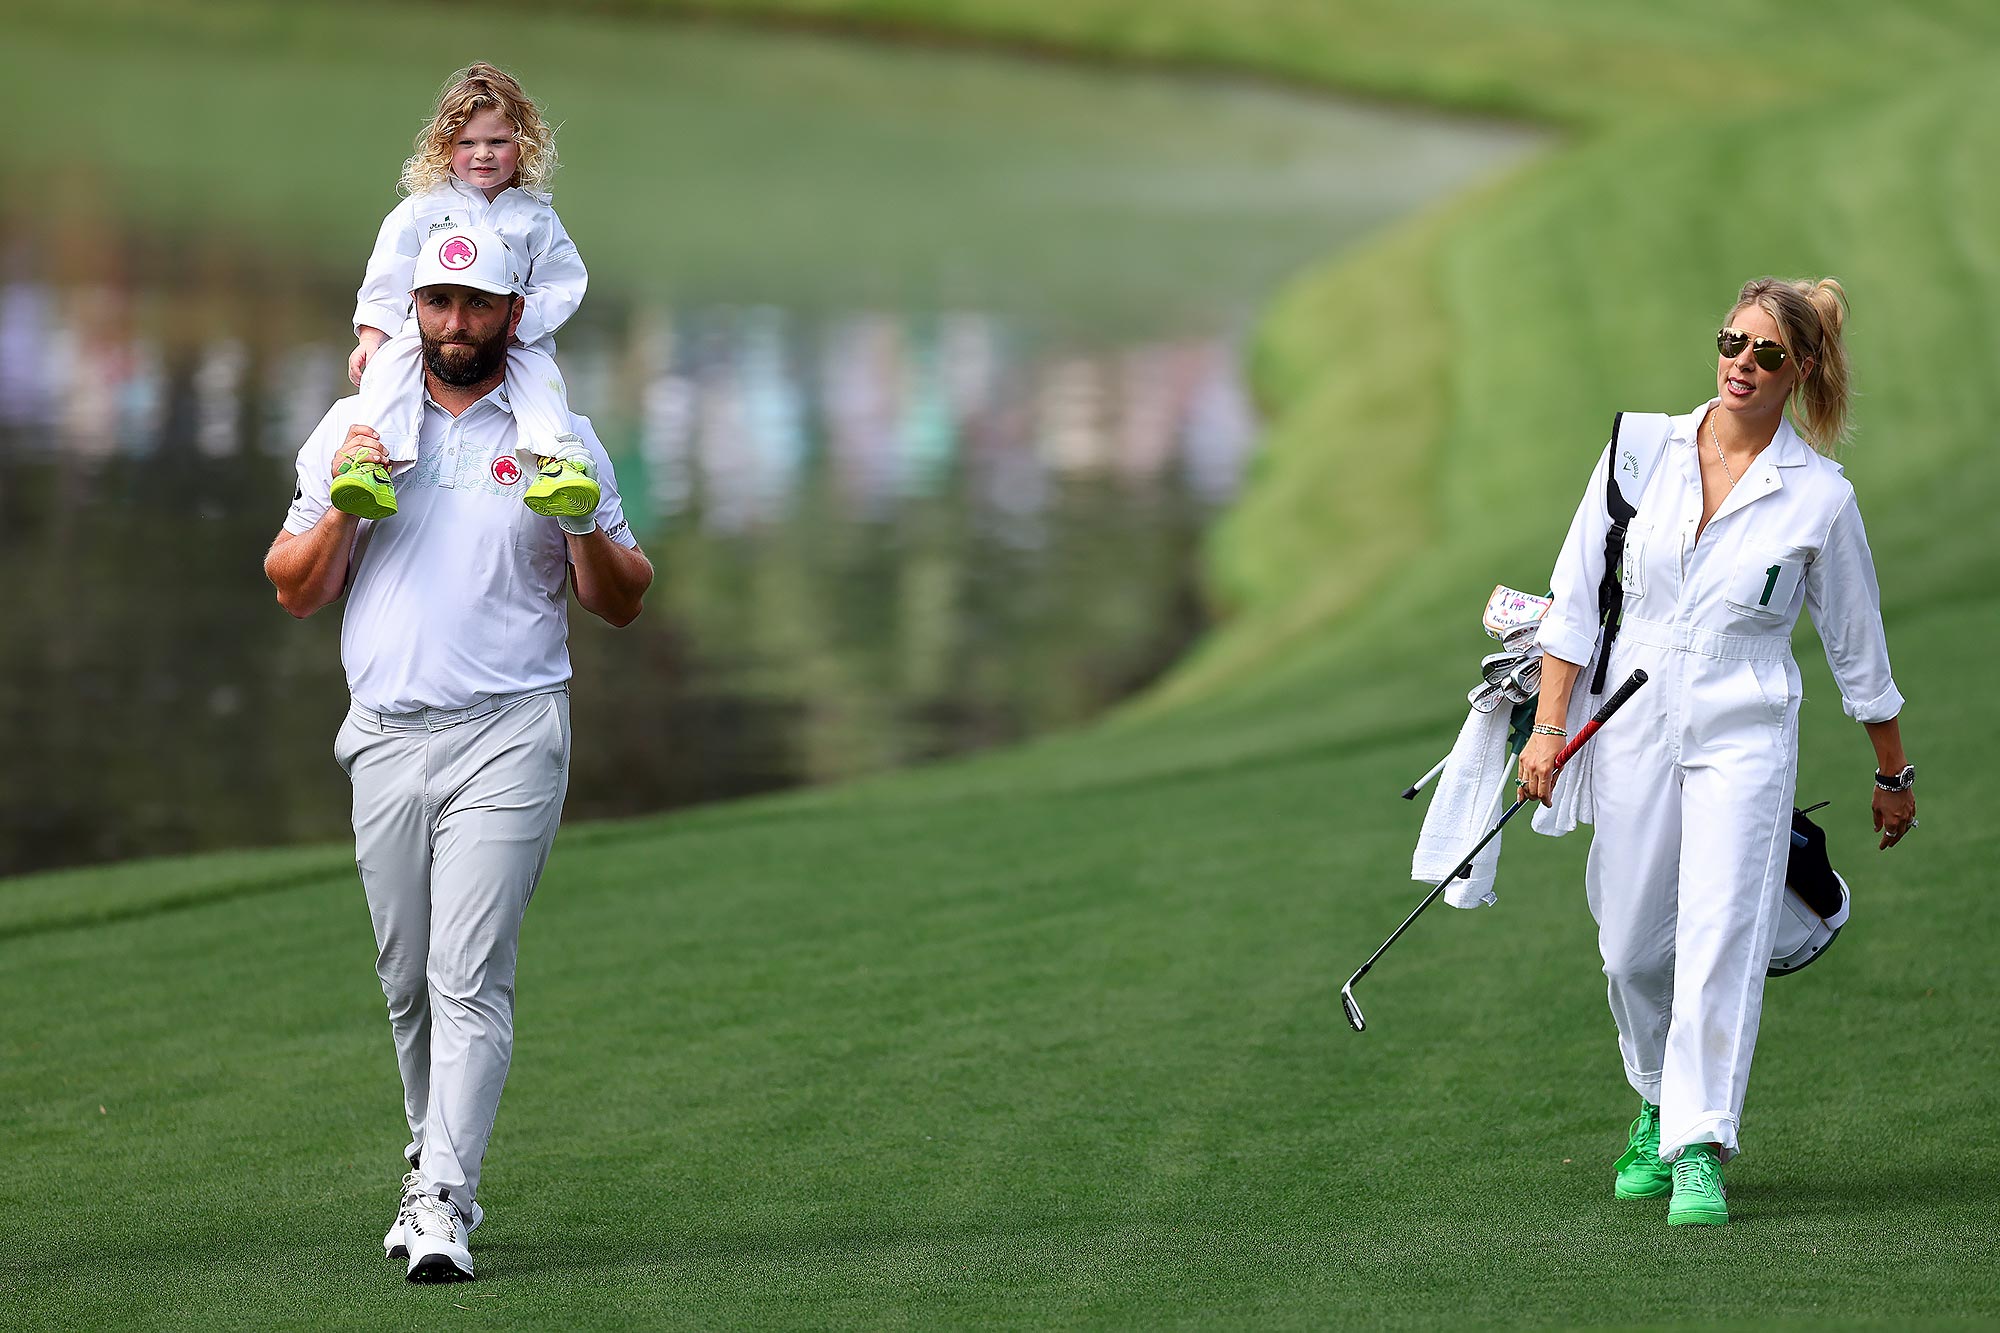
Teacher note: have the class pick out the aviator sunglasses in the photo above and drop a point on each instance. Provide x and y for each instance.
(1768, 353)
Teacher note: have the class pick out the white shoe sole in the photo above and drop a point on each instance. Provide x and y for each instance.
(447, 1263)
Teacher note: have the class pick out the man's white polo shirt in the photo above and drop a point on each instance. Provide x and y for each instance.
(461, 594)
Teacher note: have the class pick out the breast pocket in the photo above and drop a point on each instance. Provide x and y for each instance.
(1764, 579)
(436, 213)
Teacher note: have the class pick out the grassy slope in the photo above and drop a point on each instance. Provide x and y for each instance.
(1050, 1038)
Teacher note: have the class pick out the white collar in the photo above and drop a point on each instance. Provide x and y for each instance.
(496, 397)
(473, 192)
(1787, 448)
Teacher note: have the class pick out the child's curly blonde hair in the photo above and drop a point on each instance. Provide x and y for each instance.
(476, 88)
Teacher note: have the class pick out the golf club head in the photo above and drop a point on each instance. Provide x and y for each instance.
(1354, 1019)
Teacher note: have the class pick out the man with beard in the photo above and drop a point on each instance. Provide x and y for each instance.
(455, 645)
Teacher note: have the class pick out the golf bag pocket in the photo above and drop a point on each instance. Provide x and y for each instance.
(1764, 580)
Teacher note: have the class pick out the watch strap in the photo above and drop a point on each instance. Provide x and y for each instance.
(1902, 781)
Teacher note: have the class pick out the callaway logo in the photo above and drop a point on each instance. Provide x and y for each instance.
(457, 253)
(1631, 464)
(505, 470)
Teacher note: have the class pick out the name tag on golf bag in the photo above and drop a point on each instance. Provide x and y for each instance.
(1815, 902)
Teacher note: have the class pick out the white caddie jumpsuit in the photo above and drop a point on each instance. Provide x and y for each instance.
(392, 390)
(1692, 782)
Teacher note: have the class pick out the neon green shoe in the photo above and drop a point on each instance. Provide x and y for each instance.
(363, 489)
(1697, 1189)
(565, 489)
(1641, 1173)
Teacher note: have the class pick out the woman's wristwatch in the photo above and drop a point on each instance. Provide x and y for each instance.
(1902, 781)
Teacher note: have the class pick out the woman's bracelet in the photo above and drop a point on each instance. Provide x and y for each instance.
(1544, 729)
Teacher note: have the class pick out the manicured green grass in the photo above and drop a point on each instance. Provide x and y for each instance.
(1052, 1038)
(921, 1053)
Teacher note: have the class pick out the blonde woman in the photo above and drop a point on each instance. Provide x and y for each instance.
(483, 160)
(1742, 523)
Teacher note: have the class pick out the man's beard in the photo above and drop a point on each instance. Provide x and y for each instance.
(469, 364)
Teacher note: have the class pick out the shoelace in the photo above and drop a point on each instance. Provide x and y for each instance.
(412, 1182)
(432, 1216)
(1697, 1172)
(1646, 1130)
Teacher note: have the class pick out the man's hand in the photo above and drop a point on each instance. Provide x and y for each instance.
(362, 445)
(365, 346)
(570, 452)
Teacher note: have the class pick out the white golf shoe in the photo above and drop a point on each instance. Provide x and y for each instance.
(436, 1236)
(396, 1244)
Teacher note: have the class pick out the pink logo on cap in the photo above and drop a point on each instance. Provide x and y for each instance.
(457, 253)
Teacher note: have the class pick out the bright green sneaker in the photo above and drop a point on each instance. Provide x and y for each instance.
(1641, 1173)
(363, 489)
(1697, 1189)
(565, 489)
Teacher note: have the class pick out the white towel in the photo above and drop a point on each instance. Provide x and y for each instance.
(1572, 804)
(1463, 808)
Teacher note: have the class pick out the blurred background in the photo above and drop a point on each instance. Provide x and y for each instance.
(921, 371)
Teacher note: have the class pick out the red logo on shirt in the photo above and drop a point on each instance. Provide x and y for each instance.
(457, 253)
(505, 470)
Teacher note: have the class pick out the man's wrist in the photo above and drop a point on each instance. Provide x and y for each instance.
(580, 525)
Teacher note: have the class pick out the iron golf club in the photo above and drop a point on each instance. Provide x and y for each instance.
(1464, 867)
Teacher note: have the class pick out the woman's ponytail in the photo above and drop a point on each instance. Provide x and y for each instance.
(1823, 394)
(1812, 315)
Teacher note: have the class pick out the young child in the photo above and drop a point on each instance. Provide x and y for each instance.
(481, 161)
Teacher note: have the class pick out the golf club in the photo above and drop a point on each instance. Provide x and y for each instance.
(1410, 792)
(1464, 867)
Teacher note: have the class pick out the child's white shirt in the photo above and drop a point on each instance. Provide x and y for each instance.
(525, 219)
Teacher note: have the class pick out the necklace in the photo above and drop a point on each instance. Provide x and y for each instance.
(1718, 451)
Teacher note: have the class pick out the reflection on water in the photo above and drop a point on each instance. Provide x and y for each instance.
(919, 370)
(881, 536)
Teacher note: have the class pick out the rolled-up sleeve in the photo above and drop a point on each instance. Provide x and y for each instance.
(384, 299)
(610, 504)
(313, 494)
(1846, 607)
(1569, 630)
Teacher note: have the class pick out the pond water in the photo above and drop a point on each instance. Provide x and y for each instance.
(921, 373)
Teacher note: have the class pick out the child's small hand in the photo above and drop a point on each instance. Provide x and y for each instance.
(364, 348)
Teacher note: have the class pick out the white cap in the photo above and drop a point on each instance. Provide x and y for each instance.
(468, 257)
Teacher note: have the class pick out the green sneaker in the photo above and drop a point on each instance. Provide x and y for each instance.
(363, 489)
(1697, 1189)
(565, 489)
(1641, 1173)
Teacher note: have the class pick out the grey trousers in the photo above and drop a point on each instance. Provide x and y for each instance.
(454, 814)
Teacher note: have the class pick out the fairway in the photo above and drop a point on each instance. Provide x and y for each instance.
(1052, 1038)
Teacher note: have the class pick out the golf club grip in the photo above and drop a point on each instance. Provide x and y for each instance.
(1611, 705)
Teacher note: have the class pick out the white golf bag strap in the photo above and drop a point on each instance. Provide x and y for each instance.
(1638, 439)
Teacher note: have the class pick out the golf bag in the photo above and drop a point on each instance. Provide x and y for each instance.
(1815, 902)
